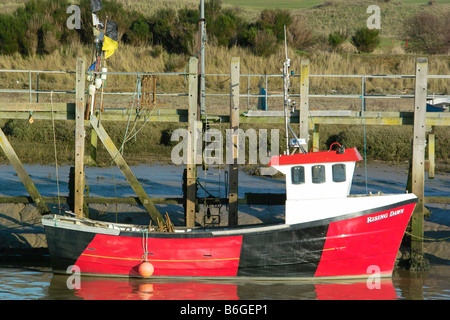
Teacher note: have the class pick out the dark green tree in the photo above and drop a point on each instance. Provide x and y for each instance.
(365, 39)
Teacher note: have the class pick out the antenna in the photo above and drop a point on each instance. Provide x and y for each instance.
(295, 142)
(285, 42)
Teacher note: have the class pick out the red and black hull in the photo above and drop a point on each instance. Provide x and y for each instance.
(345, 246)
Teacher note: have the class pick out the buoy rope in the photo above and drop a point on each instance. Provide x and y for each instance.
(425, 238)
(145, 244)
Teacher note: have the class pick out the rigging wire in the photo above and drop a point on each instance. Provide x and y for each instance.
(364, 128)
(56, 154)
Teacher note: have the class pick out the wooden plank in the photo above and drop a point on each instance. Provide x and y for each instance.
(180, 116)
(22, 173)
(233, 175)
(193, 116)
(418, 159)
(316, 138)
(80, 135)
(123, 166)
(37, 107)
(93, 148)
(443, 200)
(255, 198)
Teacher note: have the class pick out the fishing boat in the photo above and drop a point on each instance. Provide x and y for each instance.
(327, 233)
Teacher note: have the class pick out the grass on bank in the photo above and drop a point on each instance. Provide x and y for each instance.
(33, 143)
(154, 59)
(332, 15)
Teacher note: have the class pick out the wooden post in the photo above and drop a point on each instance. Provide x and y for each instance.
(234, 126)
(23, 175)
(418, 160)
(304, 102)
(316, 134)
(123, 166)
(93, 148)
(191, 174)
(431, 153)
(80, 135)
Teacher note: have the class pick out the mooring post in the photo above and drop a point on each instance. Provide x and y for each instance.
(418, 160)
(304, 102)
(191, 174)
(431, 153)
(233, 175)
(316, 137)
(80, 135)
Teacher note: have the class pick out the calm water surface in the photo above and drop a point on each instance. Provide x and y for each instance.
(28, 283)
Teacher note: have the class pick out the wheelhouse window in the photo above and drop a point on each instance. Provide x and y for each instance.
(338, 172)
(318, 174)
(298, 175)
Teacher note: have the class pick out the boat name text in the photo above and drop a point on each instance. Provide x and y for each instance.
(384, 216)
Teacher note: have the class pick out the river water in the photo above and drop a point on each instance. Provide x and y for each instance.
(35, 281)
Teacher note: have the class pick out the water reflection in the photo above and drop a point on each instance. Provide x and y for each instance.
(96, 288)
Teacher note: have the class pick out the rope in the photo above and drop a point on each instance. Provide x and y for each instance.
(426, 238)
(145, 244)
(56, 154)
(127, 137)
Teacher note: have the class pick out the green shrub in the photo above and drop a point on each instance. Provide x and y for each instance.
(246, 36)
(275, 20)
(335, 39)
(365, 39)
(11, 35)
(224, 30)
(139, 33)
(265, 43)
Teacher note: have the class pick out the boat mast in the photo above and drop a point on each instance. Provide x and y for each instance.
(295, 143)
(286, 81)
(202, 57)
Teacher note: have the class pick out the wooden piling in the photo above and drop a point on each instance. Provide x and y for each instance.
(431, 153)
(304, 102)
(193, 116)
(316, 137)
(234, 126)
(80, 135)
(418, 160)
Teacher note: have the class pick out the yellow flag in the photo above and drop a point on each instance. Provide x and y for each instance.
(109, 46)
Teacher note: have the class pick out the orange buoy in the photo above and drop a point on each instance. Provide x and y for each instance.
(146, 269)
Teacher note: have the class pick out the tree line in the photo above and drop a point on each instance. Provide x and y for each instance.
(40, 28)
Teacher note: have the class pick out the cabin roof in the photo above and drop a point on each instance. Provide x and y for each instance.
(316, 157)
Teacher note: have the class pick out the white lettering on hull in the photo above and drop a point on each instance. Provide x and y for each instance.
(384, 216)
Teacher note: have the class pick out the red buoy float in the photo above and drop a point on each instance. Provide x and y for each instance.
(146, 269)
